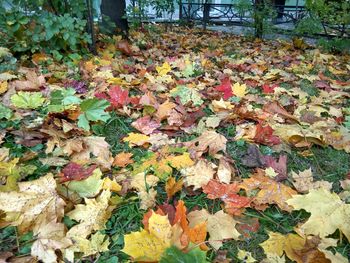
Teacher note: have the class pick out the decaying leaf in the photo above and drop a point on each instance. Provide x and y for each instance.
(304, 181)
(199, 174)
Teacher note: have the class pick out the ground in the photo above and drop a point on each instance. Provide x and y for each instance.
(247, 128)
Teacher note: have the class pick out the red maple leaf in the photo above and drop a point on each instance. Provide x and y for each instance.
(269, 88)
(118, 97)
(228, 194)
(264, 135)
(226, 88)
(146, 125)
(75, 172)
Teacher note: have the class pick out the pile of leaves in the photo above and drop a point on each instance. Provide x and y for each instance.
(182, 147)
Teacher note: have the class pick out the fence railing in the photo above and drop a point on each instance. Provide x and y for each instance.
(233, 14)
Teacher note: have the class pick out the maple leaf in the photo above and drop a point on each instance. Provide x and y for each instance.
(123, 159)
(303, 182)
(275, 108)
(199, 174)
(49, 237)
(27, 100)
(239, 90)
(245, 256)
(74, 171)
(146, 125)
(271, 192)
(35, 203)
(92, 110)
(210, 141)
(118, 97)
(95, 146)
(173, 254)
(224, 171)
(220, 226)
(330, 214)
(269, 88)
(187, 95)
(264, 135)
(164, 69)
(278, 243)
(226, 88)
(164, 110)
(144, 183)
(88, 187)
(97, 243)
(279, 166)
(228, 194)
(149, 245)
(136, 139)
(91, 217)
(172, 187)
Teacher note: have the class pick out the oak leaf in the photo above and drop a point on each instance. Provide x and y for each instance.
(330, 213)
(35, 203)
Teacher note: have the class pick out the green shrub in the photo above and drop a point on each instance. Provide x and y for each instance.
(39, 28)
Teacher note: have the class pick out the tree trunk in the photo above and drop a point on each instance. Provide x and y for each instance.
(115, 10)
(258, 18)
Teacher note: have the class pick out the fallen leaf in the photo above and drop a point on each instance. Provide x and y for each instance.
(172, 187)
(226, 88)
(75, 172)
(279, 243)
(146, 125)
(220, 226)
(304, 181)
(164, 69)
(49, 238)
(245, 256)
(210, 141)
(271, 192)
(91, 216)
(36, 203)
(264, 135)
(239, 90)
(224, 171)
(199, 174)
(123, 159)
(136, 139)
(149, 245)
(330, 214)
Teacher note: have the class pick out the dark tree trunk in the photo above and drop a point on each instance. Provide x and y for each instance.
(115, 10)
(258, 18)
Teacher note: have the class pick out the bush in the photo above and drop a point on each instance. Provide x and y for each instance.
(42, 28)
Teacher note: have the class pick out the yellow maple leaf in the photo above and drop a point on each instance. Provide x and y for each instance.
(111, 185)
(97, 243)
(278, 244)
(148, 246)
(330, 213)
(245, 256)
(91, 217)
(136, 139)
(180, 161)
(35, 203)
(239, 90)
(164, 69)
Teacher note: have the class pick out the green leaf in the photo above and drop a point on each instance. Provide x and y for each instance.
(88, 187)
(62, 100)
(27, 100)
(93, 110)
(175, 255)
(5, 113)
(186, 95)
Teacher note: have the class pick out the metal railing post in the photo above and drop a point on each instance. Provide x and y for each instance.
(206, 15)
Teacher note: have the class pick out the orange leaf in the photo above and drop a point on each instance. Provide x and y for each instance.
(180, 215)
(172, 187)
(228, 194)
(198, 234)
(122, 159)
(271, 192)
